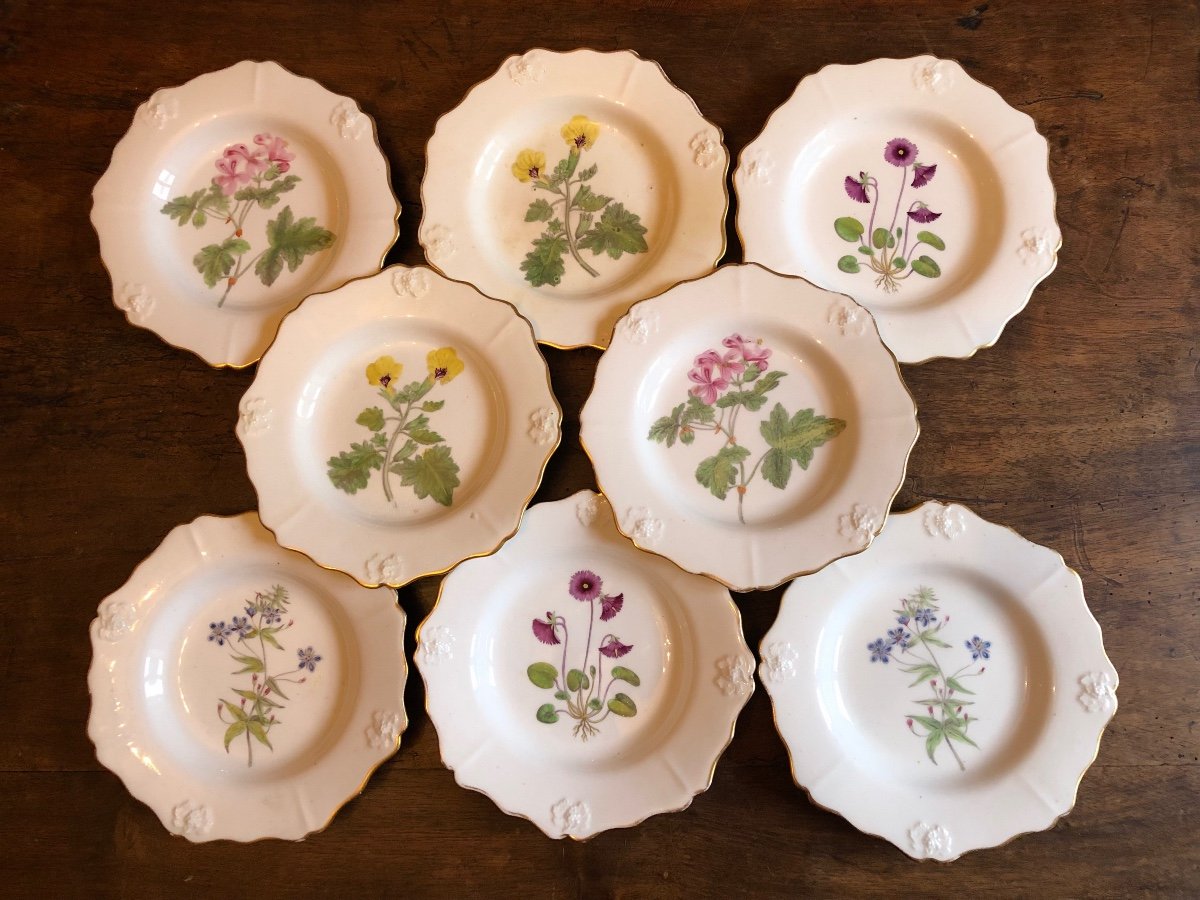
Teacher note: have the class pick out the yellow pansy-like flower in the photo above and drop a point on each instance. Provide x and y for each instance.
(580, 133)
(529, 166)
(444, 364)
(383, 372)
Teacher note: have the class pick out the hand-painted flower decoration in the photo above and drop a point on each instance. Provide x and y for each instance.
(712, 375)
(585, 585)
(856, 188)
(277, 153)
(241, 626)
(383, 372)
(308, 659)
(900, 152)
(925, 617)
(233, 174)
(613, 648)
(899, 636)
(922, 175)
(610, 606)
(544, 629)
(880, 651)
(923, 214)
(530, 165)
(580, 133)
(444, 364)
(750, 351)
(980, 649)
(219, 632)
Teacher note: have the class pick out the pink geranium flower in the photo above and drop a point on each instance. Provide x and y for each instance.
(233, 174)
(709, 376)
(254, 160)
(276, 150)
(751, 351)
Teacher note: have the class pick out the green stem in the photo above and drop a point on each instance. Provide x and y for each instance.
(571, 231)
(391, 448)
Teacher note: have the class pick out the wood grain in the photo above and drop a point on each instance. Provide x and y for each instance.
(1080, 428)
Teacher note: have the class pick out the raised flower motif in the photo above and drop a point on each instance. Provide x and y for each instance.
(644, 527)
(588, 509)
(384, 730)
(931, 841)
(580, 133)
(706, 149)
(859, 524)
(254, 415)
(757, 166)
(934, 76)
(543, 425)
(571, 817)
(849, 318)
(136, 301)
(116, 618)
(1036, 245)
(1097, 692)
(734, 677)
(444, 364)
(413, 282)
(439, 243)
(525, 70)
(779, 662)
(383, 372)
(437, 644)
(161, 108)
(530, 165)
(638, 326)
(945, 521)
(349, 120)
(191, 819)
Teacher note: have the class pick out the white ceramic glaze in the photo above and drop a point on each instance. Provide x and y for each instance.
(567, 588)
(948, 625)
(279, 181)
(178, 664)
(820, 442)
(654, 156)
(991, 194)
(357, 471)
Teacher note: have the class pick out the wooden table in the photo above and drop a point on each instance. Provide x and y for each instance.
(1080, 428)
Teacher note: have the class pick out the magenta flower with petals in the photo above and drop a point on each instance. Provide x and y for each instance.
(923, 214)
(585, 585)
(276, 149)
(900, 152)
(254, 160)
(709, 377)
(233, 175)
(731, 364)
(922, 175)
(857, 188)
(613, 648)
(543, 630)
(752, 351)
(610, 606)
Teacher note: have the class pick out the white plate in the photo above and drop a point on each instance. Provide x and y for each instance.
(1022, 681)
(655, 199)
(228, 734)
(820, 437)
(250, 175)
(875, 130)
(501, 652)
(398, 425)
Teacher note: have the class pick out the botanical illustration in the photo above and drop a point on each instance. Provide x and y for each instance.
(886, 248)
(583, 695)
(254, 715)
(947, 719)
(249, 178)
(401, 442)
(571, 221)
(724, 384)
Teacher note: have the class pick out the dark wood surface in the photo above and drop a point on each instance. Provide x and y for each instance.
(1080, 428)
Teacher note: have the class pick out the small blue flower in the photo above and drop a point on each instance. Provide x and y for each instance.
(899, 636)
(250, 610)
(272, 615)
(240, 627)
(925, 617)
(903, 620)
(308, 659)
(880, 651)
(218, 631)
(978, 647)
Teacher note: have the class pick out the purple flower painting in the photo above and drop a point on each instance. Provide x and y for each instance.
(582, 693)
(891, 251)
(947, 717)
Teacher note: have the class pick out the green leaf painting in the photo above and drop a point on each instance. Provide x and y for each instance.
(915, 645)
(726, 384)
(579, 218)
(249, 178)
(400, 439)
(255, 712)
(584, 695)
(887, 249)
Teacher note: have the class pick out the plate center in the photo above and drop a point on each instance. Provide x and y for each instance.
(244, 212)
(942, 678)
